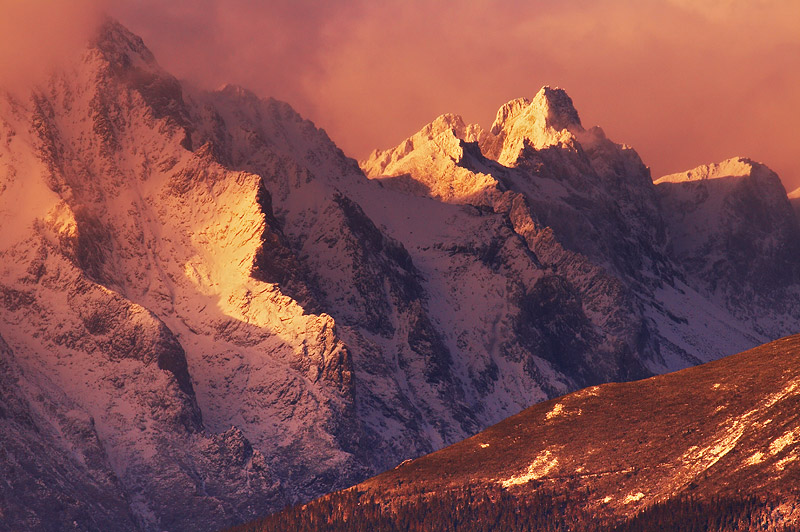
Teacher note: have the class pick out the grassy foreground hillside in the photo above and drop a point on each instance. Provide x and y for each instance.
(714, 447)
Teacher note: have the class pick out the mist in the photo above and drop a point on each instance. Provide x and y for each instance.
(37, 36)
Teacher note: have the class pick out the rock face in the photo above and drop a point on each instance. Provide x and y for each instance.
(209, 312)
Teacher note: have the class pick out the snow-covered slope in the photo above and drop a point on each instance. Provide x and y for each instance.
(209, 310)
(114, 225)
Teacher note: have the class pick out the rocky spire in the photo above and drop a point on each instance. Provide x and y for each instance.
(549, 119)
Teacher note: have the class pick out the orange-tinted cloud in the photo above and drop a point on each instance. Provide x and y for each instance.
(684, 82)
(38, 35)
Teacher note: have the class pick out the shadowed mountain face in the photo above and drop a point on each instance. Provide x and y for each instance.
(209, 312)
(616, 455)
(735, 234)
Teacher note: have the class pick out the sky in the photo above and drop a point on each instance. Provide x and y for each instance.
(684, 82)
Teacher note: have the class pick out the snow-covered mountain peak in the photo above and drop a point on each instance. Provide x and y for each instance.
(234, 91)
(550, 119)
(735, 167)
(120, 46)
(551, 107)
(555, 107)
(728, 220)
(508, 111)
(440, 148)
(456, 124)
(117, 58)
(734, 189)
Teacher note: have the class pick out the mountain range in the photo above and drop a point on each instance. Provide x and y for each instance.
(209, 312)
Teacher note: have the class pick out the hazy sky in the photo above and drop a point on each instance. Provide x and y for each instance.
(685, 82)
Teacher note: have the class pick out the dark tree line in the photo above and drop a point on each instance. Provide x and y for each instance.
(496, 509)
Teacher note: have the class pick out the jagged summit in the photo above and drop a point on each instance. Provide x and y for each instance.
(551, 106)
(456, 124)
(443, 147)
(506, 112)
(119, 45)
(447, 126)
(119, 57)
(555, 107)
(550, 118)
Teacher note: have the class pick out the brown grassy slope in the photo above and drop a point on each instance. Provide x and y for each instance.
(724, 428)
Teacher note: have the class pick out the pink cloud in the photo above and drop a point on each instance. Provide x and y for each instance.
(38, 35)
(683, 82)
